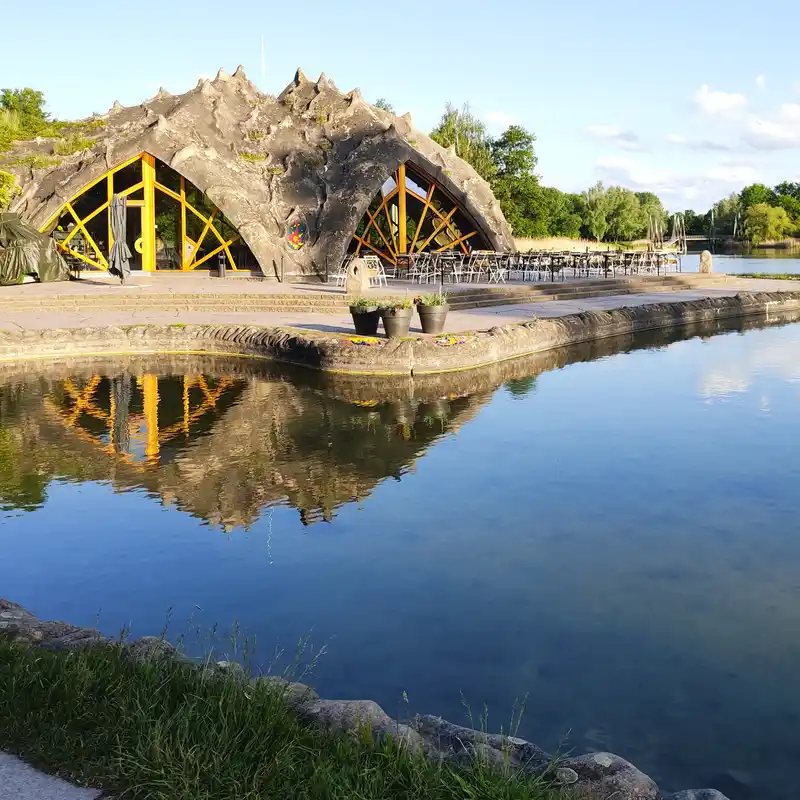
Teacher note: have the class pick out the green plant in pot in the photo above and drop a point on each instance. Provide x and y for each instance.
(396, 317)
(366, 316)
(432, 310)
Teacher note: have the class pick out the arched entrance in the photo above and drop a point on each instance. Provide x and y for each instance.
(412, 214)
(171, 224)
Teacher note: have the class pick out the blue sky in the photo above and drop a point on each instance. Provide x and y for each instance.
(692, 100)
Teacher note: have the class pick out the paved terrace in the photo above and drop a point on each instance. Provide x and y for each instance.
(45, 306)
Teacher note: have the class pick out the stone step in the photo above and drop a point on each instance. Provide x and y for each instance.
(335, 303)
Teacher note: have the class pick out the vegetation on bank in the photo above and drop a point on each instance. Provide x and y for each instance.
(757, 214)
(163, 730)
(781, 276)
(508, 163)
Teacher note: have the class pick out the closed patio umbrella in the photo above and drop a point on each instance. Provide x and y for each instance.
(120, 255)
(121, 395)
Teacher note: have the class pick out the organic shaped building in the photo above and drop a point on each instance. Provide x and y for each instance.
(283, 185)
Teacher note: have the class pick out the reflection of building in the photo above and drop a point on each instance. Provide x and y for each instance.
(284, 184)
(223, 448)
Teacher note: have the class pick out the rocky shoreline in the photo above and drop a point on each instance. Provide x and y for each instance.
(594, 776)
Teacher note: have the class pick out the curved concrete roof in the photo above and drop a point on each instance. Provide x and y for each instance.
(312, 153)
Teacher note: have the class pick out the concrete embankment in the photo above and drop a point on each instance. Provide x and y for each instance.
(343, 353)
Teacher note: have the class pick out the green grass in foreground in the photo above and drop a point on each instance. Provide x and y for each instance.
(165, 731)
(781, 276)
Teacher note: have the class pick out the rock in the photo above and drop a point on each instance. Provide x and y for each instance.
(232, 669)
(602, 776)
(357, 277)
(351, 716)
(706, 262)
(297, 695)
(697, 794)
(462, 744)
(150, 648)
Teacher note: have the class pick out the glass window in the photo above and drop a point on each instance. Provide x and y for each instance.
(128, 176)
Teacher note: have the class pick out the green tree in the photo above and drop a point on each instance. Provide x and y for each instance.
(651, 208)
(461, 129)
(696, 224)
(787, 189)
(384, 105)
(756, 195)
(726, 212)
(624, 214)
(596, 211)
(513, 153)
(28, 107)
(765, 223)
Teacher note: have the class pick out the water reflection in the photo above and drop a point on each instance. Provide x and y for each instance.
(615, 540)
(223, 439)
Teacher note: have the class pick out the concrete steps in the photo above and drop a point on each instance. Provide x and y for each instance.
(109, 299)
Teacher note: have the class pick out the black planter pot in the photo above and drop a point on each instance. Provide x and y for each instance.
(396, 321)
(432, 317)
(365, 319)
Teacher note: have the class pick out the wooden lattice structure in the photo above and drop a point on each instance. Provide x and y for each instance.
(171, 224)
(412, 214)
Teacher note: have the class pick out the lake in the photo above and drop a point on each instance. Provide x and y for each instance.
(764, 260)
(609, 532)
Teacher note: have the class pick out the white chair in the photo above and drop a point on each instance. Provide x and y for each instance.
(375, 270)
(340, 277)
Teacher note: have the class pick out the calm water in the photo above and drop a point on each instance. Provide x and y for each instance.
(774, 261)
(612, 533)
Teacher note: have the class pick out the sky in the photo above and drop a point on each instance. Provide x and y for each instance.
(691, 100)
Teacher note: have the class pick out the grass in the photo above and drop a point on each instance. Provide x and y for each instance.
(73, 143)
(35, 160)
(782, 276)
(168, 731)
(253, 156)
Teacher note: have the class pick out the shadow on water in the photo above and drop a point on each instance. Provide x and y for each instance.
(223, 438)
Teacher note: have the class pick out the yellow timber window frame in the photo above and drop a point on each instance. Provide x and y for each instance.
(412, 214)
(141, 194)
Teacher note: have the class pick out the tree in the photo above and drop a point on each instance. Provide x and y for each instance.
(695, 224)
(787, 189)
(756, 195)
(27, 107)
(384, 105)
(462, 130)
(765, 223)
(791, 205)
(726, 212)
(596, 211)
(624, 214)
(651, 209)
(513, 153)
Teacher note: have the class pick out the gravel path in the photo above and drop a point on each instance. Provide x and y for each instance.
(18, 781)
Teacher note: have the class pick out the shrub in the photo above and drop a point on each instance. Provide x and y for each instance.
(9, 189)
(73, 143)
(253, 156)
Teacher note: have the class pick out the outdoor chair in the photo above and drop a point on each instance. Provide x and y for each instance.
(375, 270)
(340, 276)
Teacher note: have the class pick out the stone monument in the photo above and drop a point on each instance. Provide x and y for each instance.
(357, 282)
(705, 262)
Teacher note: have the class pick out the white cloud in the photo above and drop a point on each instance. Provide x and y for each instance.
(498, 121)
(705, 185)
(719, 104)
(779, 132)
(626, 139)
(731, 173)
(699, 144)
(761, 82)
